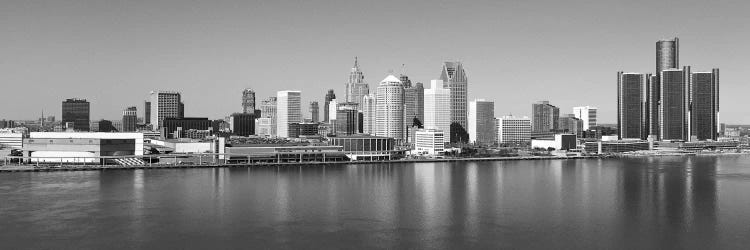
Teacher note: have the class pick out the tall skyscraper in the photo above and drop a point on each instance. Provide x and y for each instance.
(347, 118)
(356, 88)
(454, 78)
(482, 122)
(390, 108)
(513, 130)
(545, 117)
(667, 57)
(147, 112)
(673, 111)
(332, 107)
(165, 104)
(329, 96)
(129, 119)
(704, 105)
(587, 114)
(437, 108)
(667, 54)
(413, 103)
(248, 101)
(314, 112)
(268, 114)
(631, 106)
(368, 114)
(76, 111)
(288, 111)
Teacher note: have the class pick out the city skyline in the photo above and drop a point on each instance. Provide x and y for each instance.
(493, 61)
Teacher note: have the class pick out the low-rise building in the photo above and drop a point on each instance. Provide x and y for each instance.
(560, 142)
(429, 142)
(11, 139)
(365, 147)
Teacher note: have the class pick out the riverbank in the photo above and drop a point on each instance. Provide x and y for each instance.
(50, 168)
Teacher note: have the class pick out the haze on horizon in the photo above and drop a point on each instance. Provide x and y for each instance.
(113, 53)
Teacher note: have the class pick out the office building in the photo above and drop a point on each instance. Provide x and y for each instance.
(482, 122)
(368, 115)
(587, 114)
(513, 130)
(176, 127)
(390, 108)
(314, 112)
(332, 108)
(268, 110)
(129, 119)
(667, 57)
(631, 106)
(437, 108)
(673, 110)
(347, 119)
(248, 101)
(76, 111)
(304, 129)
(356, 88)
(147, 112)
(414, 103)
(430, 142)
(454, 78)
(704, 105)
(570, 124)
(545, 117)
(165, 104)
(265, 127)
(242, 124)
(329, 96)
(289, 110)
(558, 142)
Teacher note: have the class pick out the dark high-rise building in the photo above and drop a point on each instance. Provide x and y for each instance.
(242, 124)
(106, 126)
(347, 118)
(454, 78)
(545, 117)
(147, 112)
(673, 111)
(631, 105)
(129, 119)
(329, 96)
(413, 103)
(248, 101)
(667, 57)
(314, 112)
(704, 105)
(181, 110)
(170, 125)
(76, 111)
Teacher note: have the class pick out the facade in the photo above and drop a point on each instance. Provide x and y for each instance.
(136, 148)
(390, 108)
(329, 96)
(176, 127)
(673, 111)
(513, 130)
(704, 105)
(264, 126)
(347, 119)
(76, 111)
(356, 88)
(303, 129)
(414, 103)
(268, 110)
(363, 147)
(437, 108)
(482, 122)
(587, 114)
(11, 139)
(314, 112)
(454, 78)
(248, 101)
(129, 119)
(165, 104)
(570, 124)
(289, 110)
(620, 146)
(242, 124)
(631, 106)
(559, 142)
(545, 117)
(430, 142)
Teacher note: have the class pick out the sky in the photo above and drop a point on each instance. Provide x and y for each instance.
(113, 53)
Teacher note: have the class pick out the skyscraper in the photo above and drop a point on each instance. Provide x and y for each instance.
(454, 78)
(356, 88)
(329, 96)
(667, 57)
(667, 54)
(673, 111)
(570, 124)
(631, 105)
(482, 122)
(248, 101)
(390, 108)
(347, 118)
(76, 111)
(242, 124)
(437, 108)
(704, 105)
(314, 112)
(288, 111)
(147, 112)
(368, 114)
(413, 103)
(587, 114)
(129, 119)
(268, 114)
(165, 104)
(545, 117)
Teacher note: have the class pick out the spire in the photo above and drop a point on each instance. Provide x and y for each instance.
(356, 64)
(403, 69)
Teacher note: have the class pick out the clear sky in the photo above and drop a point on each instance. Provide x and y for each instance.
(515, 52)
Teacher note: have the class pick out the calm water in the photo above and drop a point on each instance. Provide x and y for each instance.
(673, 202)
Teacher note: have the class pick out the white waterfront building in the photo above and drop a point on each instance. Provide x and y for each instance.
(429, 141)
(288, 110)
(511, 129)
(587, 114)
(437, 108)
